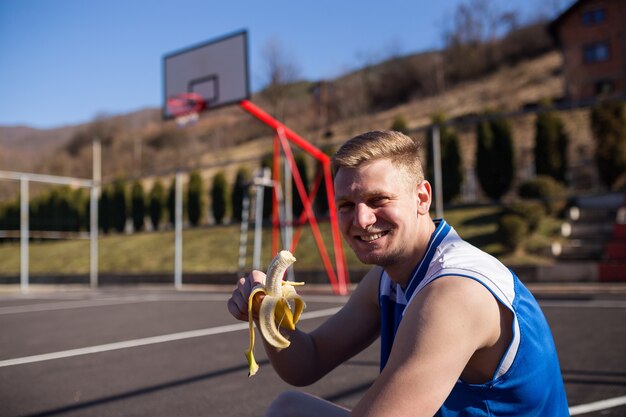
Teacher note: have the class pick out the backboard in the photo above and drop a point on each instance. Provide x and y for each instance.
(217, 70)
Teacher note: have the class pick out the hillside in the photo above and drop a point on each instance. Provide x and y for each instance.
(140, 144)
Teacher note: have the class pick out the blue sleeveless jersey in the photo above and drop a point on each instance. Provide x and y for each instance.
(528, 381)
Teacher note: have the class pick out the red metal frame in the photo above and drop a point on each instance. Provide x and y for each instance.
(275, 198)
(339, 278)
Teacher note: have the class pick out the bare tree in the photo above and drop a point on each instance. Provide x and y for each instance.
(281, 71)
(471, 37)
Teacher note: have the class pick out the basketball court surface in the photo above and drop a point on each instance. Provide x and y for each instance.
(139, 351)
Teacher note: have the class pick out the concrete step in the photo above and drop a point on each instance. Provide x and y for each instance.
(619, 231)
(584, 230)
(577, 249)
(576, 271)
(589, 215)
(620, 216)
(612, 272)
(615, 250)
(612, 200)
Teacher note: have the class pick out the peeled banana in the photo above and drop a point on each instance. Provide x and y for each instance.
(275, 307)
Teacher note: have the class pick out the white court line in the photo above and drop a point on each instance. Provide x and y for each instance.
(92, 302)
(583, 304)
(150, 340)
(65, 305)
(597, 406)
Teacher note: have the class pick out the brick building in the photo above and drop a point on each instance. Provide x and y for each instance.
(592, 38)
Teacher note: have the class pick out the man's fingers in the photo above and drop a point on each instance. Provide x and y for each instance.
(238, 302)
(256, 278)
(234, 310)
(243, 285)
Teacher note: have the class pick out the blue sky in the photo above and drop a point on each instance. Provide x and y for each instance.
(69, 61)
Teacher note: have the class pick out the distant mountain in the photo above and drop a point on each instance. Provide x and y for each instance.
(28, 139)
(24, 148)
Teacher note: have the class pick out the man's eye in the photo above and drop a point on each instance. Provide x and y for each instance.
(378, 201)
(344, 207)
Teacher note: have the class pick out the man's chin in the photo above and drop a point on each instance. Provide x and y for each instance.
(373, 259)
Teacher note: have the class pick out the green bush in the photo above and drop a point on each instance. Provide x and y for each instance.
(105, 216)
(240, 189)
(59, 209)
(268, 192)
(10, 215)
(551, 143)
(119, 205)
(400, 124)
(608, 124)
(195, 199)
(297, 203)
(171, 202)
(451, 165)
(495, 160)
(138, 206)
(219, 197)
(532, 211)
(512, 231)
(83, 200)
(157, 199)
(547, 190)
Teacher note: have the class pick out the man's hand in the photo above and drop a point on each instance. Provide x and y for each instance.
(238, 302)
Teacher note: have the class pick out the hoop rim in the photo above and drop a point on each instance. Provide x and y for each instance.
(185, 104)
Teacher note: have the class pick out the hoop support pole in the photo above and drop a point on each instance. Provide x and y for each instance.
(309, 210)
(275, 196)
(291, 135)
(340, 280)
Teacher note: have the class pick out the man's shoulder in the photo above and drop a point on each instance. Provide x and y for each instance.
(459, 255)
(461, 259)
(455, 290)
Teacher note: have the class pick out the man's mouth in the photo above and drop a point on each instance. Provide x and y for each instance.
(370, 237)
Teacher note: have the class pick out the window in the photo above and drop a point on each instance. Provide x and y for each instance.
(593, 17)
(596, 52)
(604, 86)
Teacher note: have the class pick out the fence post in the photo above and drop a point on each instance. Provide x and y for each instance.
(178, 231)
(24, 233)
(93, 214)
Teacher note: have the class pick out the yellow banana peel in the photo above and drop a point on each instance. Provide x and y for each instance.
(275, 310)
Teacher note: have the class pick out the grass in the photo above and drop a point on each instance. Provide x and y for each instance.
(216, 248)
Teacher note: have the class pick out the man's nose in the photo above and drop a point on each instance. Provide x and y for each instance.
(364, 216)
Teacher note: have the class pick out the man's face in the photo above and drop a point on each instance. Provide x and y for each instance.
(378, 210)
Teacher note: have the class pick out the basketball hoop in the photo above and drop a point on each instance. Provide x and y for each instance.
(185, 108)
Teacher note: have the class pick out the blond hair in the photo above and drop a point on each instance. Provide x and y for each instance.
(400, 149)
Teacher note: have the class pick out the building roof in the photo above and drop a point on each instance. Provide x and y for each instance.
(554, 25)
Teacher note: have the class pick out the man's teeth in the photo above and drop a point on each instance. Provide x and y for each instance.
(369, 238)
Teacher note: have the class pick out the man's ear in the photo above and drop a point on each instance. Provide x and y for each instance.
(423, 193)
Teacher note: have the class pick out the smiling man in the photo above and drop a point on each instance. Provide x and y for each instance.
(460, 334)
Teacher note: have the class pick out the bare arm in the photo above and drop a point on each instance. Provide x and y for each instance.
(443, 327)
(312, 355)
